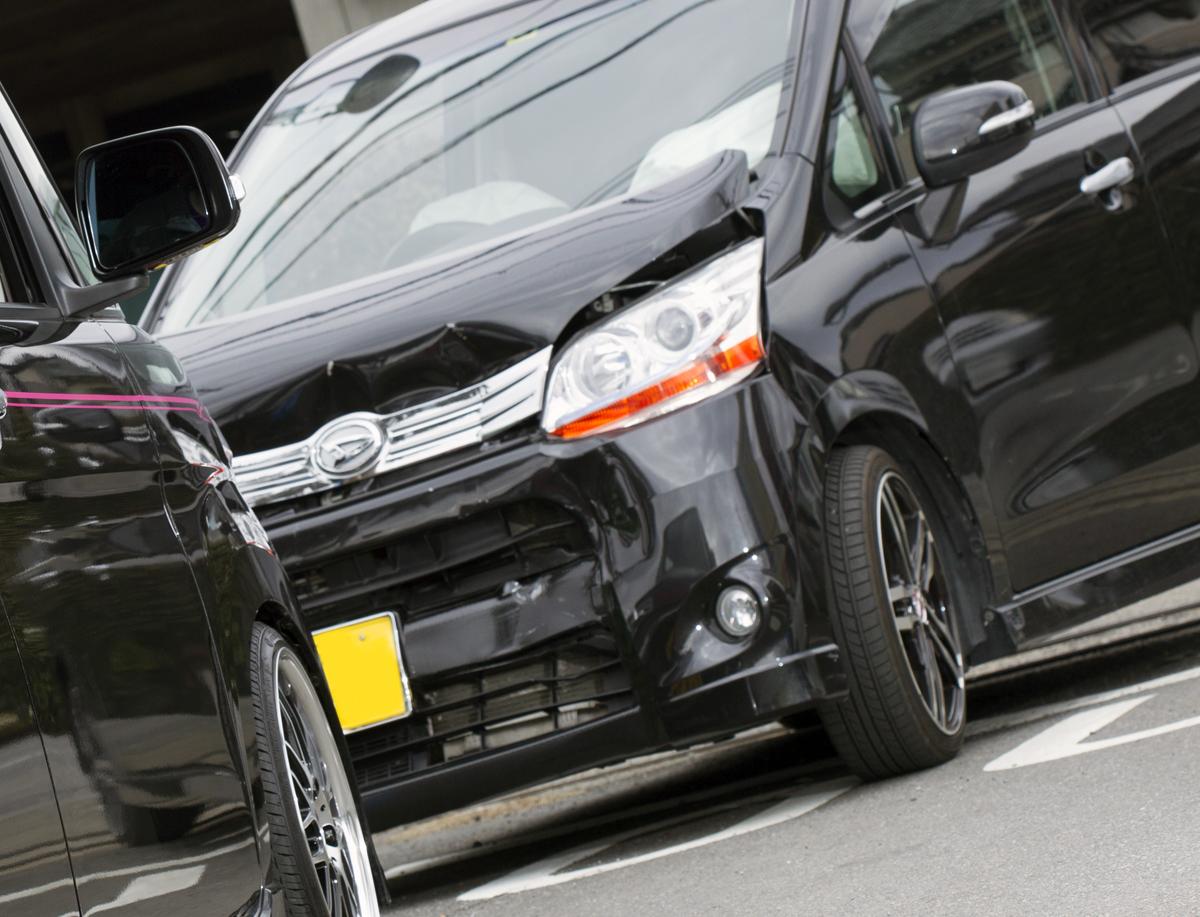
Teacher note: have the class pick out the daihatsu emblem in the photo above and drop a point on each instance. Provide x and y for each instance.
(347, 448)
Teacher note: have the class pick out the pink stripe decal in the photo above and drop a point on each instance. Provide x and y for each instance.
(51, 396)
(198, 412)
(123, 406)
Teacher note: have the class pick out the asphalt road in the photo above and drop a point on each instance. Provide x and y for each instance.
(1077, 793)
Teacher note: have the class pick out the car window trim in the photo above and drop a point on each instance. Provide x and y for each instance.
(874, 115)
(1134, 87)
(17, 282)
(1091, 92)
(30, 235)
(1073, 32)
(11, 122)
(1104, 86)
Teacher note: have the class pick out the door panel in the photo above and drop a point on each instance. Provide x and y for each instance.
(1065, 321)
(35, 871)
(1063, 310)
(104, 606)
(1165, 123)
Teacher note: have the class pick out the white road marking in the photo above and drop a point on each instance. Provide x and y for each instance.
(1021, 717)
(1067, 738)
(550, 871)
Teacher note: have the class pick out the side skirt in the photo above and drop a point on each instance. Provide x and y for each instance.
(1040, 615)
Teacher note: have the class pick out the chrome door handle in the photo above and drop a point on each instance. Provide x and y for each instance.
(1116, 174)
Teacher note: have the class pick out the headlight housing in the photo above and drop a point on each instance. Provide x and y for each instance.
(683, 344)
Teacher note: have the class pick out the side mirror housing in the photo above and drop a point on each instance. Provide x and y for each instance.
(962, 132)
(150, 199)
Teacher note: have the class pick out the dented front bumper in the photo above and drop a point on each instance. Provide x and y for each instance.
(556, 599)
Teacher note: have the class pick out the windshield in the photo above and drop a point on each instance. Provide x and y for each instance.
(487, 129)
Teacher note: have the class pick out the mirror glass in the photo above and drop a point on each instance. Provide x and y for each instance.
(143, 199)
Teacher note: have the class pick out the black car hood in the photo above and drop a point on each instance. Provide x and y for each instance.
(275, 376)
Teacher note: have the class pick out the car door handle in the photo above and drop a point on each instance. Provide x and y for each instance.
(1116, 174)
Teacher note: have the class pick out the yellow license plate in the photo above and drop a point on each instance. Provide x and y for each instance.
(365, 671)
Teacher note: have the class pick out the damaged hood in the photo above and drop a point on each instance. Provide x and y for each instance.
(274, 376)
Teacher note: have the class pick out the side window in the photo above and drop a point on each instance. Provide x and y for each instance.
(916, 49)
(1134, 38)
(854, 169)
(46, 191)
(12, 285)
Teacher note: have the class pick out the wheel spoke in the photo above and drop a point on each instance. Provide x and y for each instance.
(943, 642)
(351, 895)
(925, 566)
(917, 546)
(891, 511)
(915, 590)
(301, 739)
(320, 786)
(299, 765)
(933, 678)
(292, 726)
(338, 899)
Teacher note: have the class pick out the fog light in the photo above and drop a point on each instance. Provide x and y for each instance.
(738, 612)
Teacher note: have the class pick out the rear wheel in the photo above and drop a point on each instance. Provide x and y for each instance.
(893, 618)
(317, 839)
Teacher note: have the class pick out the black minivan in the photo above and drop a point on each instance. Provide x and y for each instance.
(643, 370)
(168, 744)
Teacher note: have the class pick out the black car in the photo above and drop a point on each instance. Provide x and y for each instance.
(168, 744)
(662, 368)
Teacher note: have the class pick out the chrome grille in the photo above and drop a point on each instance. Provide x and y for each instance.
(415, 434)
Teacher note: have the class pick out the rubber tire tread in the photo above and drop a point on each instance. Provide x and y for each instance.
(883, 728)
(289, 850)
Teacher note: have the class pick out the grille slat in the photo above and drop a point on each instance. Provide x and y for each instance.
(436, 427)
(575, 681)
(451, 564)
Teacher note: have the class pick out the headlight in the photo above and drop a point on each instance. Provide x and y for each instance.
(683, 344)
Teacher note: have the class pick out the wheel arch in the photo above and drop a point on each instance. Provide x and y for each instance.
(272, 613)
(874, 409)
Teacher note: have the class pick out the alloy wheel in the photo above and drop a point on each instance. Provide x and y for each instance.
(919, 599)
(321, 793)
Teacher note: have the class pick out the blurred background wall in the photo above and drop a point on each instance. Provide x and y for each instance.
(82, 71)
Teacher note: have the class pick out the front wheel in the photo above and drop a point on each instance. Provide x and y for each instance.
(317, 838)
(893, 618)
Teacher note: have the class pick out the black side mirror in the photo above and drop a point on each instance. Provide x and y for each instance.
(146, 200)
(961, 132)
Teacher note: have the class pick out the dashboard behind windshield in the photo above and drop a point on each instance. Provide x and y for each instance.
(484, 130)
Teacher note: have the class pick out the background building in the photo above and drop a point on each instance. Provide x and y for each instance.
(82, 71)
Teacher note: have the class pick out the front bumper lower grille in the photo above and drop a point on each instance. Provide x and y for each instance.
(422, 572)
(496, 705)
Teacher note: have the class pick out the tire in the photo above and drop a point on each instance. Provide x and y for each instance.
(897, 629)
(318, 841)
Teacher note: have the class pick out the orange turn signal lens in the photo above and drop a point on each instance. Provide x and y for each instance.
(704, 371)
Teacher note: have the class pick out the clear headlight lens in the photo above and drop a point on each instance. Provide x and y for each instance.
(685, 343)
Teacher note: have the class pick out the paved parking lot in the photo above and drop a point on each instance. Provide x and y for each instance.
(1076, 793)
